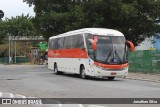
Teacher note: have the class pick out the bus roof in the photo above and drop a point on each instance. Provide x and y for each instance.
(94, 31)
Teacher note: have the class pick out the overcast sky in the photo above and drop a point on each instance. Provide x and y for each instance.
(15, 8)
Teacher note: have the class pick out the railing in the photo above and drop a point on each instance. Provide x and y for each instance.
(147, 61)
(18, 60)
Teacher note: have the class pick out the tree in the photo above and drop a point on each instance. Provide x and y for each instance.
(17, 26)
(132, 17)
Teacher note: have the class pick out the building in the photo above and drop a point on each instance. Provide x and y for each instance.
(150, 43)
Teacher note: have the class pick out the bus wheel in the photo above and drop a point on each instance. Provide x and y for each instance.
(82, 73)
(111, 78)
(56, 70)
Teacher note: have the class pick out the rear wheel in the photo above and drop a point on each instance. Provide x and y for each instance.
(82, 73)
(111, 78)
(56, 70)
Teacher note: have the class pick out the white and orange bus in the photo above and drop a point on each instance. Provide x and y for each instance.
(95, 52)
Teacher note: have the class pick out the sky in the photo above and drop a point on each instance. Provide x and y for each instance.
(13, 8)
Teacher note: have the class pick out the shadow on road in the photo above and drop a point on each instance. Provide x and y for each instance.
(77, 76)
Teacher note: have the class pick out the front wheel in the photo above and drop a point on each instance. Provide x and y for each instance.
(82, 73)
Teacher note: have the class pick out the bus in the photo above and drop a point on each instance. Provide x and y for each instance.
(90, 52)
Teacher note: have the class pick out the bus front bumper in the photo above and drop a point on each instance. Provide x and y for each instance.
(100, 72)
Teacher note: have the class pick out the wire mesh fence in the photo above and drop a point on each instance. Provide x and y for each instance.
(147, 61)
(5, 60)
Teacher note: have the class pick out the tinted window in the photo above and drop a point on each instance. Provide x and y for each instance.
(81, 42)
(57, 43)
(74, 41)
(49, 44)
(89, 44)
(61, 43)
(53, 44)
(78, 41)
(67, 42)
(88, 36)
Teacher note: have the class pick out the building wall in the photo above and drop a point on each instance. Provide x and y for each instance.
(150, 43)
(147, 44)
(157, 41)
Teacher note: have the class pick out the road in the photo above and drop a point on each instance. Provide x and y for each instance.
(39, 81)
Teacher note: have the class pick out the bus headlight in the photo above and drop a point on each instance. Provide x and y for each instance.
(110, 69)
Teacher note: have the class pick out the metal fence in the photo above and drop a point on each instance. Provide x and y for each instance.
(18, 60)
(147, 61)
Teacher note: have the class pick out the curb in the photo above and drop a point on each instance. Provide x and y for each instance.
(143, 79)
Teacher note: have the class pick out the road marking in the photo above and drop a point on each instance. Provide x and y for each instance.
(1, 94)
(52, 105)
(7, 95)
(72, 105)
(95, 106)
(19, 96)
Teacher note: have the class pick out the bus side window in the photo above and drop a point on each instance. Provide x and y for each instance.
(79, 43)
(49, 44)
(72, 41)
(66, 42)
(61, 43)
(89, 45)
(88, 36)
(53, 44)
(90, 50)
(57, 43)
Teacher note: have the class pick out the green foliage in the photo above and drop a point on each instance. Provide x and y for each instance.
(17, 26)
(132, 17)
(21, 48)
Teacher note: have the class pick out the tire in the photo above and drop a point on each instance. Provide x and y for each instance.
(56, 70)
(82, 73)
(111, 78)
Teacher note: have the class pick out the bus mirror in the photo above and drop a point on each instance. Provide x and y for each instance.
(93, 44)
(131, 45)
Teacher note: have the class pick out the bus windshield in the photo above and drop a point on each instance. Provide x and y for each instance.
(111, 50)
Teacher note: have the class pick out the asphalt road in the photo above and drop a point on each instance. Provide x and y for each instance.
(39, 81)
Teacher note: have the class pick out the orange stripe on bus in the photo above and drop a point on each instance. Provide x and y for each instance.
(67, 53)
(121, 66)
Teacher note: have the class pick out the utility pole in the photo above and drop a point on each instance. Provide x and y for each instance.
(9, 55)
(15, 52)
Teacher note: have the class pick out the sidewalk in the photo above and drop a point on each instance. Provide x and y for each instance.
(144, 77)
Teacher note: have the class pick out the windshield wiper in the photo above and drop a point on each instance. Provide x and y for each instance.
(125, 53)
(108, 56)
(118, 56)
